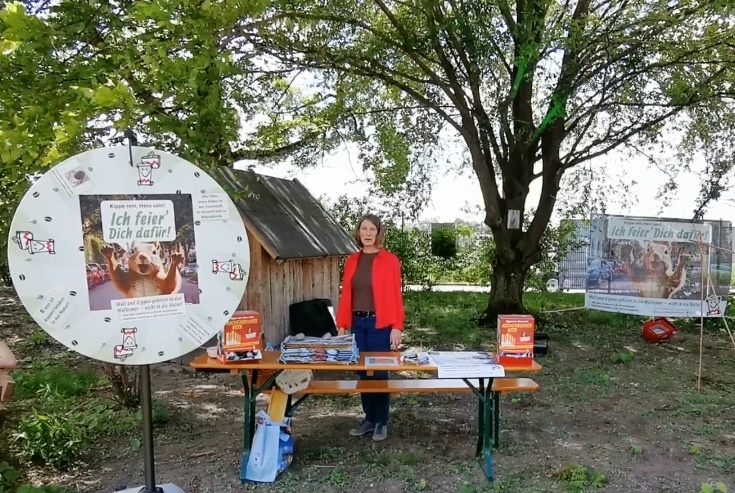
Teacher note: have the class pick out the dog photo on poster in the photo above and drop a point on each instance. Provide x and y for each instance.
(140, 253)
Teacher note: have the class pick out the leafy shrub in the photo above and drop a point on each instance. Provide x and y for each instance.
(124, 380)
(444, 243)
(412, 248)
(578, 478)
(159, 411)
(61, 430)
(55, 439)
(10, 482)
(38, 338)
(57, 378)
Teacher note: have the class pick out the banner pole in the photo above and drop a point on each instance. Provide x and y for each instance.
(146, 407)
(701, 314)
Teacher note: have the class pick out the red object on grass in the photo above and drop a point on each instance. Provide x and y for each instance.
(658, 330)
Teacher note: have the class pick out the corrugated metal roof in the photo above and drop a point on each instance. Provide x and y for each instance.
(288, 221)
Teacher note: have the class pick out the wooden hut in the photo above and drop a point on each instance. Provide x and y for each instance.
(295, 247)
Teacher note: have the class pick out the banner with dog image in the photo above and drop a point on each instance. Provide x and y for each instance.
(654, 267)
(140, 246)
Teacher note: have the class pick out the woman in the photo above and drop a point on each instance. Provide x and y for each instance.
(372, 306)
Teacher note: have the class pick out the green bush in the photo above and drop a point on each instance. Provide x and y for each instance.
(444, 243)
(412, 248)
(10, 482)
(60, 430)
(476, 261)
(57, 378)
(54, 439)
(159, 411)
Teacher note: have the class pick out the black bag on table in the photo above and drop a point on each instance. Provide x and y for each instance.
(311, 318)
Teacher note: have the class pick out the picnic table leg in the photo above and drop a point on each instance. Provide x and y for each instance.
(496, 419)
(251, 391)
(484, 436)
(480, 418)
(487, 453)
(248, 418)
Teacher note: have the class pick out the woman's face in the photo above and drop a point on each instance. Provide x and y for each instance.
(368, 233)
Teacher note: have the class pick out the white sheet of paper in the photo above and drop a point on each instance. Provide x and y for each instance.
(196, 330)
(211, 207)
(149, 307)
(55, 310)
(75, 181)
(466, 364)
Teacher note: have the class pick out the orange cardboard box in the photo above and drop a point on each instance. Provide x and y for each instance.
(242, 334)
(515, 337)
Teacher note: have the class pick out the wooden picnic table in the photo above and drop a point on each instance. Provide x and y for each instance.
(487, 390)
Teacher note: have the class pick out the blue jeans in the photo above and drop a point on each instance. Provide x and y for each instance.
(370, 339)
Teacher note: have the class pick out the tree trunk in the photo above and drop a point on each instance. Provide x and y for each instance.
(506, 291)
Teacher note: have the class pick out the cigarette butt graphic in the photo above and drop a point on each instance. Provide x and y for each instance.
(234, 338)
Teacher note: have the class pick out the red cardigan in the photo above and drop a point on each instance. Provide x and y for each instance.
(387, 293)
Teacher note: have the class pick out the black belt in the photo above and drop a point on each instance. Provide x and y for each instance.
(364, 314)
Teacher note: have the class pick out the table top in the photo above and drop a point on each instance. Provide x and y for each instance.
(270, 362)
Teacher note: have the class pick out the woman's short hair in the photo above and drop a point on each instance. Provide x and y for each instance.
(375, 220)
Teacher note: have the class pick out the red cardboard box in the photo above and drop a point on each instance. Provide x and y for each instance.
(515, 338)
(242, 338)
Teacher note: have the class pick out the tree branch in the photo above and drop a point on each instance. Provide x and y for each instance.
(264, 154)
(413, 55)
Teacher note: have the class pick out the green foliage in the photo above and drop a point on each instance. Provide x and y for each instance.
(124, 379)
(160, 414)
(622, 357)
(556, 243)
(38, 338)
(578, 478)
(44, 377)
(63, 416)
(60, 430)
(718, 487)
(56, 439)
(10, 482)
(411, 247)
(73, 74)
(444, 243)
(473, 251)
(473, 262)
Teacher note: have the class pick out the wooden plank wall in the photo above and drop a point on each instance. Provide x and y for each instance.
(273, 286)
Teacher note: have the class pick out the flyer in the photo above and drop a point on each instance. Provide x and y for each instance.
(381, 361)
(466, 364)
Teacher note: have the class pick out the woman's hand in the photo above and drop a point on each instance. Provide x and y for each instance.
(395, 339)
(340, 332)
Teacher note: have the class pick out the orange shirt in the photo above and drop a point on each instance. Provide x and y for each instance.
(387, 293)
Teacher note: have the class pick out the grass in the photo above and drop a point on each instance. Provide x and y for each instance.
(58, 378)
(614, 414)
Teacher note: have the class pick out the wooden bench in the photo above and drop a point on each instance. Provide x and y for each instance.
(416, 386)
(500, 386)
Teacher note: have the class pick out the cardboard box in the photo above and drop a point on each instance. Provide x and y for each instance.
(242, 338)
(515, 338)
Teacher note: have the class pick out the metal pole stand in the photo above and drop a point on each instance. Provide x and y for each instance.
(146, 406)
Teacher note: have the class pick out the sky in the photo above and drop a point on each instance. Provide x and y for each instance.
(341, 173)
